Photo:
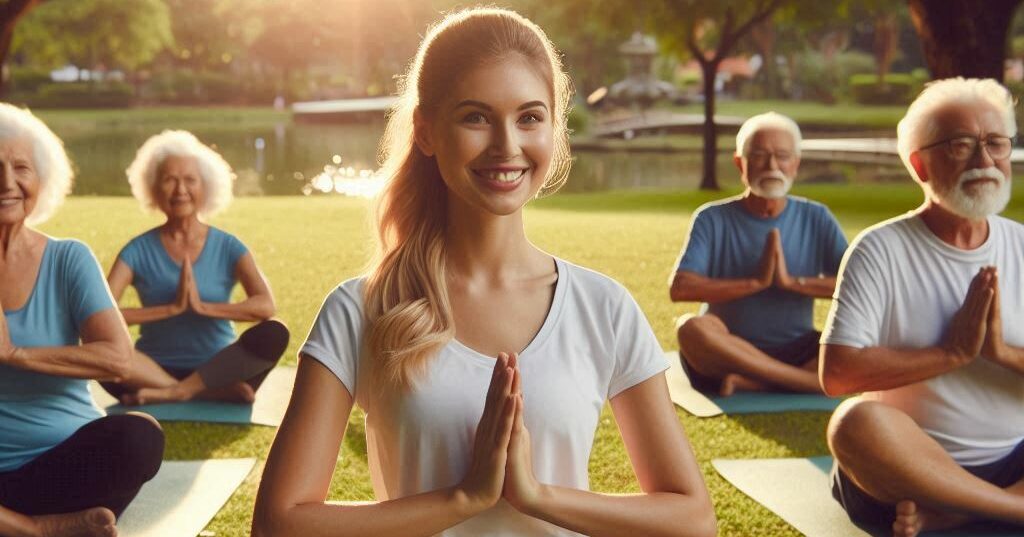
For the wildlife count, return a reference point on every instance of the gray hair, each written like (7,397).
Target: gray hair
(918,125)
(214,171)
(766,121)
(48,157)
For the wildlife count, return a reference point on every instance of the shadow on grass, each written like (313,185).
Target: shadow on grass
(801,434)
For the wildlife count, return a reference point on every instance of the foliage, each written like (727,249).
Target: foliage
(896,88)
(108,94)
(100,34)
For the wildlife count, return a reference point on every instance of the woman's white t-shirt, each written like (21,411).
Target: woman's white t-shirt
(594,343)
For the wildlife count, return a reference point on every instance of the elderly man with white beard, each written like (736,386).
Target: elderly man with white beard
(927,323)
(757,261)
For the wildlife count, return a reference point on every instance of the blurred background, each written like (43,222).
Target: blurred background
(294,92)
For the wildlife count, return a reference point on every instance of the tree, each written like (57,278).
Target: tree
(104,34)
(963,37)
(11,11)
(709,32)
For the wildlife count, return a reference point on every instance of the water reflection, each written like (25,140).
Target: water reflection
(286,158)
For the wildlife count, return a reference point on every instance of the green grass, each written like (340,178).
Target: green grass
(308,245)
(811,114)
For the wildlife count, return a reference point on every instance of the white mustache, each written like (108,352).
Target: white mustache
(774,174)
(981,173)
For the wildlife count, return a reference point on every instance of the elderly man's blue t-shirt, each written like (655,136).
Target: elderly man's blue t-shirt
(726,241)
(184,341)
(39,411)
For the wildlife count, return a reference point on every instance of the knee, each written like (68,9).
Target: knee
(695,329)
(853,425)
(138,444)
(268,339)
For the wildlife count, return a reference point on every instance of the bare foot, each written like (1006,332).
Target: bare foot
(239,392)
(149,396)
(95,522)
(911,520)
(734,382)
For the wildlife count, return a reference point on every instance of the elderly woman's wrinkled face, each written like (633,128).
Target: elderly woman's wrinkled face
(179,189)
(19,181)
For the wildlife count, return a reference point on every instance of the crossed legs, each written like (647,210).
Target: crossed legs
(710,349)
(233,374)
(886,455)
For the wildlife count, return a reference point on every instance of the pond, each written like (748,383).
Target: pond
(283,157)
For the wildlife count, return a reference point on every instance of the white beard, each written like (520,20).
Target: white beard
(982,201)
(771,185)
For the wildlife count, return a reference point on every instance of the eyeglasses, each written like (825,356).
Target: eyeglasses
(761,156)
(962,148)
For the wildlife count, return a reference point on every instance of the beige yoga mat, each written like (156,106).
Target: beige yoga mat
(683,394)
(702,406)
(269,408)
(183,497)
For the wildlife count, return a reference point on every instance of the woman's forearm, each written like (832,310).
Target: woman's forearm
(254,308)
(148,314)
(421,515)
(100,360)
(605,515)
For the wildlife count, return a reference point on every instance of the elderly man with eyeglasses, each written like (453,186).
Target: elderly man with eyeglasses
(927,322)
(757,261)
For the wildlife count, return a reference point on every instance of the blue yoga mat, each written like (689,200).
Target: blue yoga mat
(700,405)
(271,403)
(799,491)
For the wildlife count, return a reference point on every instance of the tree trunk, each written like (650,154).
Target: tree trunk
(963,37)
(709,181)
(10,14)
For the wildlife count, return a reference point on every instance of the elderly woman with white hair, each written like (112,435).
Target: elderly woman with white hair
(184,272)
(65,468)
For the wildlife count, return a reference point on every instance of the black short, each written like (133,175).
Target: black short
(103,464)
(866,510)
(796,353)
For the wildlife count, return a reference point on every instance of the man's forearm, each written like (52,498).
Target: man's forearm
(694,288)
(815,287)
(847,370)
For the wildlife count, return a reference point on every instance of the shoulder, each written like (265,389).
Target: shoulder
(591,286)
(219,235)
(717,208)
(886,235)
(347,295)
(70,251)
(812,208)
(145,240)
(1013,229)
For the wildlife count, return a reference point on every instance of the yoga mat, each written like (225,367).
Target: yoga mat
(183,497)
(702,406)
(800,492)
(271,403)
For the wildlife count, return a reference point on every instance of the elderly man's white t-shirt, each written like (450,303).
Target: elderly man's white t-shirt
(899,287)
(594,343)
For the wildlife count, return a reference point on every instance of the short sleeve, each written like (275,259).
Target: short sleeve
(638,355)
(855,319)
(696,254)
(85,289)
(335,338)
(234,249)
(835,243)
(131,255)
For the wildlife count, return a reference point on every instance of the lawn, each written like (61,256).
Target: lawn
(308,245)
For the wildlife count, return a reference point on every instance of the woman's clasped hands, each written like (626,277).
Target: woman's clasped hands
(502,466)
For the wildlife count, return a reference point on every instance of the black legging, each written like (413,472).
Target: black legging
(103,464)
(250,359)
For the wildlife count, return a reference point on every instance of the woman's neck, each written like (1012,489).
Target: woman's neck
(186,228)
(480,244)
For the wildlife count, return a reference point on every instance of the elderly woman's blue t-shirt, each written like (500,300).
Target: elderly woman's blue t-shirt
(184,341)
(39,411)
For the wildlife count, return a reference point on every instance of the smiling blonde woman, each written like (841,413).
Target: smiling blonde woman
(482,362)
